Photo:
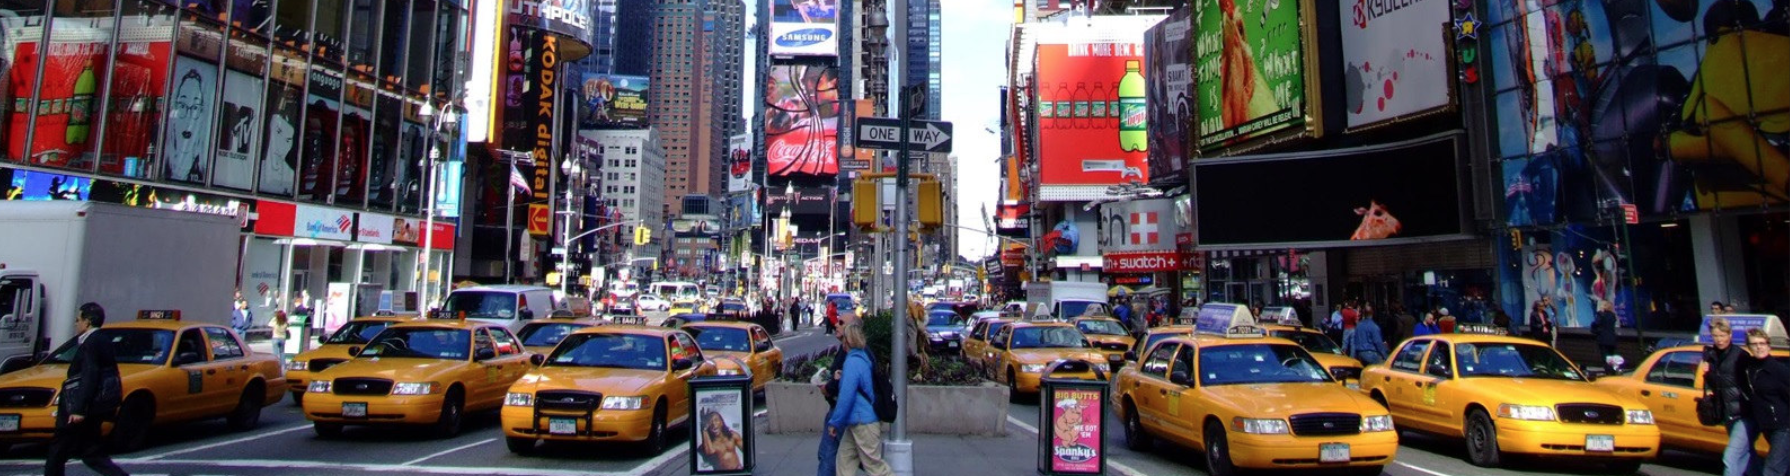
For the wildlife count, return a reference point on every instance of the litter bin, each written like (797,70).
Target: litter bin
(1071,423)
(721,437)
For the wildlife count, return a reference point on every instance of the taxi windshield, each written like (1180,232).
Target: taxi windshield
(1100,326)
(130,346)
(1512,361)
(1311,341)
(1258,363)
(721,338)
(546,334)
(619,351)
(1046,337)
(420,343)
(481,305)
(942,319)
(357,332)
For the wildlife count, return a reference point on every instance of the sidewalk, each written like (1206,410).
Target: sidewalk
(796,454)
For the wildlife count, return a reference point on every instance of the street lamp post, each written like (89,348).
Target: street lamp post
(512,157)
(444,117)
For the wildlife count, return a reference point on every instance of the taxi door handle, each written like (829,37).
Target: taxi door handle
(1669,394)
(211,371)
(1646,393)
(1162,391)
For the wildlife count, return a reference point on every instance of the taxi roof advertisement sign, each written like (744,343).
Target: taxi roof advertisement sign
(1249,68)
(804,28)
(1395,59)
(1218,318)
(1091,97)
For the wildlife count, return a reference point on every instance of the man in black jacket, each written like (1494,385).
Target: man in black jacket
(90,396)
(1723,383)
(1767,383)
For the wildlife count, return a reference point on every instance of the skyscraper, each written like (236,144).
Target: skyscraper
(634,39)
(679,105)
(923,47)
(727,42)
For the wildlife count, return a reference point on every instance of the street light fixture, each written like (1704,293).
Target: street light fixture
(573,171)
(429,164)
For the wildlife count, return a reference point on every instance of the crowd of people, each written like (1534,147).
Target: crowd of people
(1751,392)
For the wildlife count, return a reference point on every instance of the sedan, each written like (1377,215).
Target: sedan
(648,302)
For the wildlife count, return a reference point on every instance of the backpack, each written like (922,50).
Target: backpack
(884,400)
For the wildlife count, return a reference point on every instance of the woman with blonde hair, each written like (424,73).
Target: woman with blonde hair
(854,419)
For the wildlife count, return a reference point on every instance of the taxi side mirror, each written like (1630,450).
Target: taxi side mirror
(322,339)
(184,358)
(354,351)
(680,365)
(1087,343)
(537,359)
(763,347)
(1180,377)
(1131,356)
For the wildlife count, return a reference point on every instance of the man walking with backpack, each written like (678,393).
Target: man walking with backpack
(90,396)
(855,420)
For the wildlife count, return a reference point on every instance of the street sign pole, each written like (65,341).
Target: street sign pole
(900,452)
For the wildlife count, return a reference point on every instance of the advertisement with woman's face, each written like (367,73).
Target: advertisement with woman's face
(187,157)
(720,443)
(279,158)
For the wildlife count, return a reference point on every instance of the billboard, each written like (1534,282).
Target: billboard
(1340,198)
(613,100)
(1168,55)
(1395,59)
(239,134)
(1249,65)
(1091,115)
(804,27)
(570,18)
(801,116)
(739,163)
(1139,225)
(1670,106)
(187,157)
(807,200)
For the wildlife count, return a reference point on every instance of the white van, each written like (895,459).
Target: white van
(508,305)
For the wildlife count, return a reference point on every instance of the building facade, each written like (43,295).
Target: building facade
(681,105)
(634,179)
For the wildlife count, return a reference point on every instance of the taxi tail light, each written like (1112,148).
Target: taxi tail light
(1526,412)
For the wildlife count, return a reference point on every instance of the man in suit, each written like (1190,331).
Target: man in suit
(90,396)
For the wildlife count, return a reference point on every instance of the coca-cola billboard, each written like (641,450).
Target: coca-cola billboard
(802,121)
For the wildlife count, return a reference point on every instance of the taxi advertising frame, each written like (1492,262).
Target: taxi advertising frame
(1066,402)
(730,398)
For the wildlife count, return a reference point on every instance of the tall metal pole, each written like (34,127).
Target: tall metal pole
(509,234)
(900,454)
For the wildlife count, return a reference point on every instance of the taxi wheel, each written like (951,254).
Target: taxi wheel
(132,430)
(1482,440)
(1136,438)
(521,446)
(655,437)
(1218,452)
(448,425)
(247,413)
(327,430)
(1012,388)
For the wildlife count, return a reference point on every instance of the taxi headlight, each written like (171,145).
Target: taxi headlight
(1640,417)
(297,365)
(319,386)
(515,399)
(622,403)
(412,388)
(1031,368)
(1259,426)
(1376,423)
(1526,412)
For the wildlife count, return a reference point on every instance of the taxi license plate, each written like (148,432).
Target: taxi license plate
(1600,443)
(1115,357)
(354,410)
(562,426)
(953,344)
(9,423)
(1333,453)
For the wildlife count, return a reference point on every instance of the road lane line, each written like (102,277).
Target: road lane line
(1115,465)
(215,445)
(321,466)
(1422,469)
(444,452)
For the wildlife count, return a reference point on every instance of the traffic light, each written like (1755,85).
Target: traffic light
(931,212)
(865,205)
(642,236)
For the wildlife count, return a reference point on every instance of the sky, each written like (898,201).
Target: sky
(975,37)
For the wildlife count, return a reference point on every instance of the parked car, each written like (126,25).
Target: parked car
(648,302)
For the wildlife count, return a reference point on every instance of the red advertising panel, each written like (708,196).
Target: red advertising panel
(1091,116)
(1143,262)
(1075,442)
(802,121)
(65,111)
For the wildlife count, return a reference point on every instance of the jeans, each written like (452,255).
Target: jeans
(829,453)
(1777,462)
(279,350)
(1738,458)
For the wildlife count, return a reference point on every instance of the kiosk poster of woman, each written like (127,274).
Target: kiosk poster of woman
(187,157)
(719,443)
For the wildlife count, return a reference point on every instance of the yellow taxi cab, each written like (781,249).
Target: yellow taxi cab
(1670,382)
(1249,401)
(725,341)
(1020,352)
(975,342)
(1342,367)
(1154,335)
(1108,335)
(425,372)
(1510,396)
(684,306)
(169,371)
(618,383)
(540,336)
(332,349)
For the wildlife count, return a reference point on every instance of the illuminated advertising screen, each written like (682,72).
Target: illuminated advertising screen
(804,27)
(1091,115)
(739,163)
(802,121)
(612,100)
(1395,58)
(1168,53)
(1249,68)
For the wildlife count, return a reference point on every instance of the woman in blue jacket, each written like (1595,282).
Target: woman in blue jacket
(854,419)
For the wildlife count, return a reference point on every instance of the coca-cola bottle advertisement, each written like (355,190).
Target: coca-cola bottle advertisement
(802,120)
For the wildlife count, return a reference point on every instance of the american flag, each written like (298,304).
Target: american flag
(518,181)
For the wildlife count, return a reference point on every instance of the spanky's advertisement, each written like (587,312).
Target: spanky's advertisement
(1075,437)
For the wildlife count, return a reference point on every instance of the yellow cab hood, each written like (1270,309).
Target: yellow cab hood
(1331,361)
(51,375)
(1279,400)
(326,351)
(399,369)
(1548,392)
(719,357)
(1045,356)
(1098,339)
(608,381)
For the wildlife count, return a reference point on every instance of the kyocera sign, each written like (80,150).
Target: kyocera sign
(804,37)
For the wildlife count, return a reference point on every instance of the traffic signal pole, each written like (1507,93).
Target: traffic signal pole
(899,451)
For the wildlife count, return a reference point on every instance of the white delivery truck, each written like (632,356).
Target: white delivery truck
(56,255)
(1065,299)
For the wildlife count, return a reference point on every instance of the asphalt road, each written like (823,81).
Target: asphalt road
(284,444)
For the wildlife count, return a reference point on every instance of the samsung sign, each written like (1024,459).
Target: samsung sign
(804,39)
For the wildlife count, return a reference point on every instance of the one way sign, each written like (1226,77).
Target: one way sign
(884,133)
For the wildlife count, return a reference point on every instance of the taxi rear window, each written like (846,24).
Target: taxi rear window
(721,338)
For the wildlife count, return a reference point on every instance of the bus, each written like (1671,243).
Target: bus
(676,290)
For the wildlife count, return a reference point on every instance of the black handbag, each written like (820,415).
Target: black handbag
(1709,411)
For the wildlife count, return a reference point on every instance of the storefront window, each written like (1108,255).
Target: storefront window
(410,181)
(241,113)
(317,176)
(382,166)
(64,132)
(391,41)
(279,147)
(137,88)
(421,44)
(251,16)
(292,23)
(187,155)
(330,25)
(351,160)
